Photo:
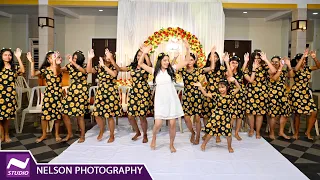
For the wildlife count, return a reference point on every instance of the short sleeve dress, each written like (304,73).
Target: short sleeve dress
(300,95)
(107,101)
(140,99)
(8,101)
(192,96)
(257,93)
(51,105)
(76,101)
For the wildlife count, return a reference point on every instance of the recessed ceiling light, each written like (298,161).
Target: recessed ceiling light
(314,13)
(100,10)
(245,12)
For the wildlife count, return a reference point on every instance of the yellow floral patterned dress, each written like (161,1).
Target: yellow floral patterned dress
(302,102)
(213,79)
(76,102)
(140,100)
(257,93)
(192,96)
(238,108)
(278,97)
(8,102)
(219,123)
(51,105)
(107,101)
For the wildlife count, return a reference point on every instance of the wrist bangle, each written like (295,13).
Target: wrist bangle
(279,70)
(254,71)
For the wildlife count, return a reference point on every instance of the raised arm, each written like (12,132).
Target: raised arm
(148,59)
(89,65)
(301,61)
(213,62)
(272,70)
(32,71)
(250,79)
(145,50)
(198,84)
(185,62)
(81,69)
(226,60)
(113,73)
(278,73)
(56,68)
(17,53)
(246,60)
(313,55)
(290,69)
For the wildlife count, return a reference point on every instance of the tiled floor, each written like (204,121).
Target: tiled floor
(304,154)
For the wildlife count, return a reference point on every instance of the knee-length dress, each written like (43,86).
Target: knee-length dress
(51,105)
(219,123)
(140,99)
(257,93)
(76,102)
(238,105)
(192,96)
(8,101)
(213,79)
(107,101)
(166,102)
(278,97)
(301,99)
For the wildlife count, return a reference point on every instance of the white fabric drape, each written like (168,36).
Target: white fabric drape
(139,19)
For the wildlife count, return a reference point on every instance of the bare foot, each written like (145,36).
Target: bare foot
(251,132)
(153,144)
(172,149)
(203,147)
(67,138)
(258,136)
(145,139)
(284,136)
(204,136)
(192,137)
(41,139)
(99,138)
(135,137)
(238,137)
(111,139)
(230,150)
(81,140)
(58,138)
(309,136)
(271,136)
(295,136)
(218,139)
(196,142)
(7,139)
(2,138)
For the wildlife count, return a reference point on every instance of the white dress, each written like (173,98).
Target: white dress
(166,102)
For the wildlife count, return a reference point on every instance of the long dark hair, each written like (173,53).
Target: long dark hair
(46,62)
(134,63)
(80,57)
(157,68)
(11,61)
(251,60)
(218,63)
(236,58)
(296,59)
(195,65)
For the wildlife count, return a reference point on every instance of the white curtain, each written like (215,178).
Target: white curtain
(138,19)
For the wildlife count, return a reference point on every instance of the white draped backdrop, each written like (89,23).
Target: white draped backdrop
(138,19)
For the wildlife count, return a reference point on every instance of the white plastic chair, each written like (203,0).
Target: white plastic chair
(38,90)
(23,85)
(19,103)
(94,90)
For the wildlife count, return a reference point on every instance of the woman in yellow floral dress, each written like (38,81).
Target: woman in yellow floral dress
(301,97)
(192,96)
(76,101)
(8,102)
(257,97)
(140,101)
(220,120)
(107,102)
(279,106)
(51,105)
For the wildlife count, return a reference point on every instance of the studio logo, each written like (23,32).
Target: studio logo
(18,165)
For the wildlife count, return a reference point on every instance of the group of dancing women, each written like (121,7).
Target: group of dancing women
(234,92)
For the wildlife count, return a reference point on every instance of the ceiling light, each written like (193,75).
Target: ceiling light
(245,12)
(315,13)
(100,10)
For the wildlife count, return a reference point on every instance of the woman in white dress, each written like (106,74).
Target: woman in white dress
(167,105)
